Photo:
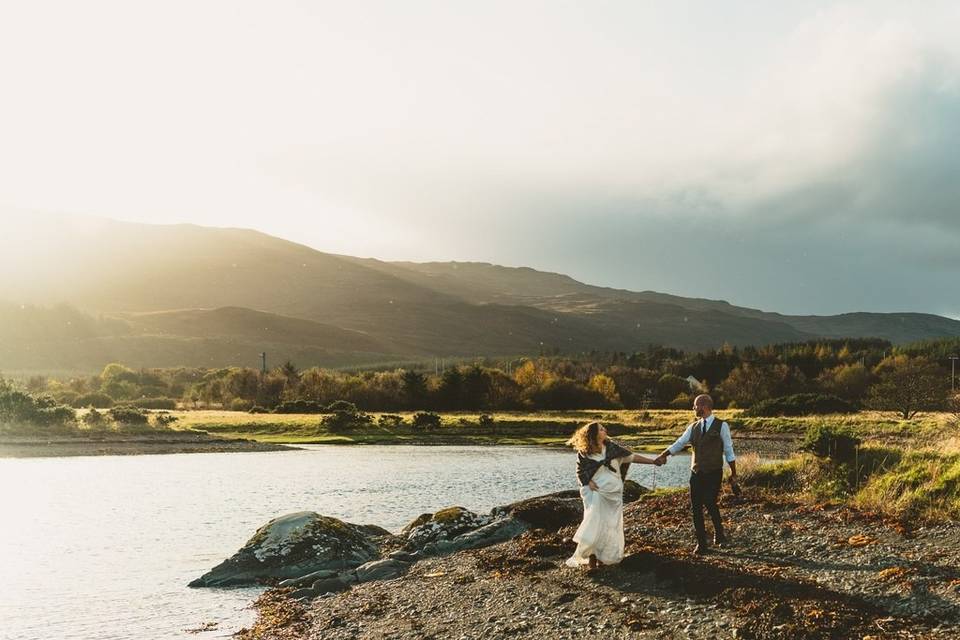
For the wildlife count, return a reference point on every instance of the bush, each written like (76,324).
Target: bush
(67,397)
(258,409)
(800,404)
(342,405)
(340,421)
(94,400)
(240,404)
(300,406)
(94,419)
(682,401)
(389,421)
(487,422)
(155,403)
(164,420)
(17,407)
(426,421)
(128,416)
(830,442)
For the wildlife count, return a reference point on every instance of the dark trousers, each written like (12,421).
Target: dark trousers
(704,490)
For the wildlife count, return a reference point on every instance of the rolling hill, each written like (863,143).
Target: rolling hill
(81,292)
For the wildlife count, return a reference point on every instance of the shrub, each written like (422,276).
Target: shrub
(129,416)
(240,404)
(800,404)
(94,419)
(300,406)
(340,421)
(390,421)
(341,405)
(682,401)
(17,407)
(487,422)
(426,421)
(258,409)
(155,403)
(833,442)
(67,397)
(164,419)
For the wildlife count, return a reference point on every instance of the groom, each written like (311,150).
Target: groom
(711,442)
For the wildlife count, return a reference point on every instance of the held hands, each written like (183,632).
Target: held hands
(660,460)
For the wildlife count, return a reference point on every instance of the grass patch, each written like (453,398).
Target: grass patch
(918,484)
(924,485)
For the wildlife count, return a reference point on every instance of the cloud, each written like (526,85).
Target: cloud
(778,156)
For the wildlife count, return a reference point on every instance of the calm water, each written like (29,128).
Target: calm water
(103,547)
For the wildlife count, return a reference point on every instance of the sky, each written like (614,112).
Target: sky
(797,156)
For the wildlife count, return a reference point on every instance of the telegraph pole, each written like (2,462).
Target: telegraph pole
(263,362)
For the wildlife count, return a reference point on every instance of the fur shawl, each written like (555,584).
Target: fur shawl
(586,466)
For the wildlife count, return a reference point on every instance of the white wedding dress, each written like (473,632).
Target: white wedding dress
(601,532)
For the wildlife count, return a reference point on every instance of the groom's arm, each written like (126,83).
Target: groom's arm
(728,454)
(679,444)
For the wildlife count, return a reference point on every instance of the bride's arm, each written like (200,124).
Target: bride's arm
(639,459)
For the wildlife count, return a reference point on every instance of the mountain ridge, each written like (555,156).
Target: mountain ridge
(164,284)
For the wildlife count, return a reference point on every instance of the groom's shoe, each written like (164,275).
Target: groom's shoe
(720,541)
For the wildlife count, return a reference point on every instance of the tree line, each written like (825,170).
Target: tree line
(864,373)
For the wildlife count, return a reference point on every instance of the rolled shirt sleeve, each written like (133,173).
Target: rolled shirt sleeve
(682,441)
(727,442)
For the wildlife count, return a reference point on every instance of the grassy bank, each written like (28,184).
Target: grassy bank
(649,430)
(913,483)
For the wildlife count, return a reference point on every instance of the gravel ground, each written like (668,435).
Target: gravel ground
(792,572)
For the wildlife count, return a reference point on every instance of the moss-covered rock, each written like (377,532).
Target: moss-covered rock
(295,545)
(444,525)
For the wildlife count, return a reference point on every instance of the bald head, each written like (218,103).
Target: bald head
(703,405)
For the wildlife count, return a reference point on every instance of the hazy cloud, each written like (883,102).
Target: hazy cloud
(798,157)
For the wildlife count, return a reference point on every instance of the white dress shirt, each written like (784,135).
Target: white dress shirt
(684,439)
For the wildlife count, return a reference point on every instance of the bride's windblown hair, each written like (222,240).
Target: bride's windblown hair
(586,439)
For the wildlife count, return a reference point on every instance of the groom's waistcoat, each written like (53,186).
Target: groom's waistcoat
(707,448)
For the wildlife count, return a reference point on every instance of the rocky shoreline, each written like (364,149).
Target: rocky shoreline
(128,444)
(792,572)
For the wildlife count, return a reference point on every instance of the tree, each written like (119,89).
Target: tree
(530,375)
(670,386)
(606,387)
(634,386)
(908,386)
(751,383)
(290,372)
(848,381)
(450,392)
(504,391)
(413,389)
(476,388)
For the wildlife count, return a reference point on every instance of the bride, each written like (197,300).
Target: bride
(601,468)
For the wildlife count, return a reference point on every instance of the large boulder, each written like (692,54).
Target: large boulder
(445,524)
(295,545)
(380,570)
(500,530)
(633,491)
(553,511)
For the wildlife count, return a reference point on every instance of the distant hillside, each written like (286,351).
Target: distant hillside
(182,294)
(63,339)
